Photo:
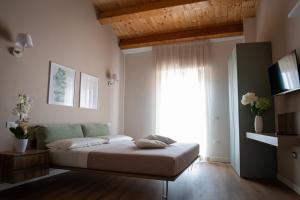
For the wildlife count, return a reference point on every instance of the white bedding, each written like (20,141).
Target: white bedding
(117,138)
(78,157)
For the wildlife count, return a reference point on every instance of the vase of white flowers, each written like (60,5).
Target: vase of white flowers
(21,110)
(258,105)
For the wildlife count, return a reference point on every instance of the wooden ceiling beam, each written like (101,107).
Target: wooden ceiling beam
(142,10)
(181,36)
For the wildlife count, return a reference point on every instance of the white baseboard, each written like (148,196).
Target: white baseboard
(289,183)
(219,159)
(52,172)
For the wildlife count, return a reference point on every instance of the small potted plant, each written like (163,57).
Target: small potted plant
(21,110)
(258,105)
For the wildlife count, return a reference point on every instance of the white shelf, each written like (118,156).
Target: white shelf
(295,11)
(265,138)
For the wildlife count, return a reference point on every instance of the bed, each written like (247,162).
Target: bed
(121,157)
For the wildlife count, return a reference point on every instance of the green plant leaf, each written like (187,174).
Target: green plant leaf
(18,132)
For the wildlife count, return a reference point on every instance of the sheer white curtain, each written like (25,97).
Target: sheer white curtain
(181,93)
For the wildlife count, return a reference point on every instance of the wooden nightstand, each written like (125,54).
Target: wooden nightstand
(15,167)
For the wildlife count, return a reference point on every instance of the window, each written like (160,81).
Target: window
(181,94)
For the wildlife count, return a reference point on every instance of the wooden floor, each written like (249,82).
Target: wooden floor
(207,181)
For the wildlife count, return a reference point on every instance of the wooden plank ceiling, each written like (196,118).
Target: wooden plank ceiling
(140,23)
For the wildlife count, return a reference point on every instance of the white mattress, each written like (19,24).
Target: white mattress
(78,157)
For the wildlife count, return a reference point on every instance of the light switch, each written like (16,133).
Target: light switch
(11,125)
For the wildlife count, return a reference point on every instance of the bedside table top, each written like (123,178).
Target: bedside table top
(28,152)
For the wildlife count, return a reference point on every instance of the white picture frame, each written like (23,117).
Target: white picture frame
(61,85)
(89,91)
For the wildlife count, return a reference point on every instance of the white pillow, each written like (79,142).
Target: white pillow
(150,144)
(161,138)
(117,138)
(74,143)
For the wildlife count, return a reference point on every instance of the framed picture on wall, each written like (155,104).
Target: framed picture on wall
(61,85)
(89,86)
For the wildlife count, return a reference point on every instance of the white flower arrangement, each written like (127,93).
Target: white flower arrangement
(22,110)
(258,105)
(23,107)
(249,98)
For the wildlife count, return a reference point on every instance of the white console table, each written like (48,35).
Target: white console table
(272,139)
(265,138)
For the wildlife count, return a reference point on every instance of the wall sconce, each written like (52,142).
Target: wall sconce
(23,40)
(112,79)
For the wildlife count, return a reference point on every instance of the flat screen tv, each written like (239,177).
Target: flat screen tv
(284,75)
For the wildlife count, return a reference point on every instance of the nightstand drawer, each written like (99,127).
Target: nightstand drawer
(22,162)
(15,167)
(26,174)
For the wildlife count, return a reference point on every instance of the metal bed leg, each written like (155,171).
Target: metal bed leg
(165,190)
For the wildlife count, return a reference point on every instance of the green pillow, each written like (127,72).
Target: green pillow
(94,130)
(50,133)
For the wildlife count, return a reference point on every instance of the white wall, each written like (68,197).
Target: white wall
(274,25)
(139,119)
(67,32)
(250,29)
(139,107)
